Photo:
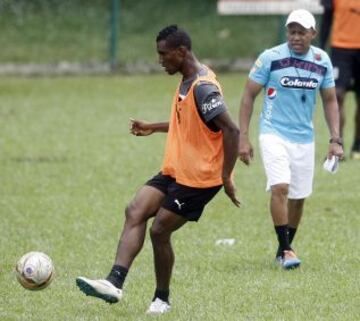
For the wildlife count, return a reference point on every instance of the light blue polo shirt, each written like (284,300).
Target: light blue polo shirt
(291,83)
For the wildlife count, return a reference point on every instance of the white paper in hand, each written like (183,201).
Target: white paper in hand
(331,165)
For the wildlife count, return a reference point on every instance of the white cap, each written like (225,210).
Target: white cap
(302,17)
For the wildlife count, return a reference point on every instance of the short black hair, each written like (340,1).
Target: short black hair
(175,37)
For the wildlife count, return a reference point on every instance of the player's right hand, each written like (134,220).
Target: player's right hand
(246,152)
(140,128)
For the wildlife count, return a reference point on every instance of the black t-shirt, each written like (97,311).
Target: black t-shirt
(208,99)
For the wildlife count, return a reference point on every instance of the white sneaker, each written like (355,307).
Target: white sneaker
(290,260)
(102,289)
(158,307)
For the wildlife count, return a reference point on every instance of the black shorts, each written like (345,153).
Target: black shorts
(346,64)
(186,201)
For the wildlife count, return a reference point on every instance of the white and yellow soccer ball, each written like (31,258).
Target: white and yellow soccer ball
(35,271)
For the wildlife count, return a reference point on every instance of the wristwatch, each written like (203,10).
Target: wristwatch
(337,140)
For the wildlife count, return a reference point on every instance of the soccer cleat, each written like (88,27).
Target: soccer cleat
(102,289)
(279,260)
(355,154)
(158,306)
(290,260)
(355,150)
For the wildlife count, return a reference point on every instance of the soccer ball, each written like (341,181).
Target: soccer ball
(34,271)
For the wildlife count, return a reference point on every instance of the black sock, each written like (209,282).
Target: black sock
(356,145)
(117,276)
(282,233)
(162,295)
(292,232)
(279,252)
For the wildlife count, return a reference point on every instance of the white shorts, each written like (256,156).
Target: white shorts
(288,163)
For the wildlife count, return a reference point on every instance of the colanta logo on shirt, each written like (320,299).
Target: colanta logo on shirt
(299,82)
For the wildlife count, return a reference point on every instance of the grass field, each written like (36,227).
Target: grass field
(68,167)
(50,31)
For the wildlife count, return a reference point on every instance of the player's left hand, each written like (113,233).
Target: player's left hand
(230,191)
(246,151)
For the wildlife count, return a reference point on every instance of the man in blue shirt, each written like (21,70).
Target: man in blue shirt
(291,75)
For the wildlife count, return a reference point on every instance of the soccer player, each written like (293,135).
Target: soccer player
(200,154)
(344,16)
(291,74)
